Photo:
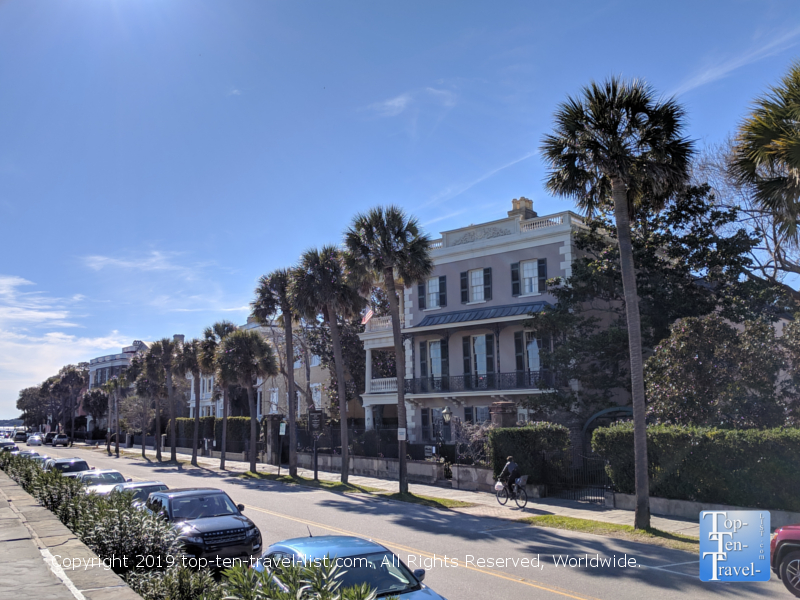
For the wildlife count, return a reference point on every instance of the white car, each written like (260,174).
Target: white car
(101,481)
(35,440)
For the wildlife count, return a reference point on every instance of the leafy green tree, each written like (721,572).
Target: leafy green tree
(244,356)
(275,299)
(323,287)
(212,338)
(616,145)
(95,403)
(708,373)
(33,405)
(767,154)
(167,352)
(187,361)
(384,245)
(71,381)
(113,389)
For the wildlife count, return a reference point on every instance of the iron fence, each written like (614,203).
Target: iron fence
(487,381)
(575,477)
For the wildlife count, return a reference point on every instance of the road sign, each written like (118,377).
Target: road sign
(283,429)
(401,434)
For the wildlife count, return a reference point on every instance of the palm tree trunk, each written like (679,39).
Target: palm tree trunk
(642,515)
(158,428)
(116,417)
(333,324)
(145,405)
(196,383)
(224,426)
(172,424)
(72,402)
(251,401)
(292,396)
(108,427)
(400,363)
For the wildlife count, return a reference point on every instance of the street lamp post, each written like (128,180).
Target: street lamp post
(447,415)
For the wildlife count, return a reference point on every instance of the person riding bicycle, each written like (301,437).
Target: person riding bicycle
(512,469)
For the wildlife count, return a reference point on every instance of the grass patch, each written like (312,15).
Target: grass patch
(626,532)
(333,486)
(428,501)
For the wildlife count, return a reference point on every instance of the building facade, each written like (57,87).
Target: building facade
(465,346)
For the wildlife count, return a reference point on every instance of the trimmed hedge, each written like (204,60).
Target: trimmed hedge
(753,468)
(527,445)
(185,428)
(238,430)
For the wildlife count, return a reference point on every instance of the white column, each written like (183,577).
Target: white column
(368,375)
(368,422)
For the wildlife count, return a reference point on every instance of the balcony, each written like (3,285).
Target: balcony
(380,324)
(517,380)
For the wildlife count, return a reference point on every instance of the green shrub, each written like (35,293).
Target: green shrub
(238,430)
(176,583)
(526,445)
(754,468)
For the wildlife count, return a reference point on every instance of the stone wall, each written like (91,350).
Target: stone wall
(383,468)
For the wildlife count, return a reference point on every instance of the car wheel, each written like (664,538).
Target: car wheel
(790,572)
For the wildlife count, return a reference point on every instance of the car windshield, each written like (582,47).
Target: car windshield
(200,507)
(382,571)
(72,467)
(103,479)
(141,493)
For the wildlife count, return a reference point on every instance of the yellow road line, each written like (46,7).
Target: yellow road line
(529,583)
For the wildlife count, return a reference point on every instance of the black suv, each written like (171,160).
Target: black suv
(69,467)
(20,436)
(211,526)
(48,438)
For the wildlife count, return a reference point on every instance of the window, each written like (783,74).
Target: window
(477,414)
(435,359)
(476,285)
(432,293)
(202,385)
(258,405)
(479,354)
(532,346)
(479,367)
(315,360)
(316,394)
(530,275)
(273,400)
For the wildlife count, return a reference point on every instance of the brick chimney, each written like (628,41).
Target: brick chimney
(522,207)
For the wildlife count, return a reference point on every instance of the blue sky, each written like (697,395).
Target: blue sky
(157,157)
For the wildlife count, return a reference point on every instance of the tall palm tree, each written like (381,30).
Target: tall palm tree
(275,296)
(766,153)
(155,372)
(188,361)
(212,338)
(617,145)
(167,351)
(385,245)
(323,287)
(244,356)
(112,388)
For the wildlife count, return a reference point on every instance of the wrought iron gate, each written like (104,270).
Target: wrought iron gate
(575,477)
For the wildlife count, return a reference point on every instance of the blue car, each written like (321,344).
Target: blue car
(362,561)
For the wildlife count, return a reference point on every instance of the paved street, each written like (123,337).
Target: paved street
(419,535)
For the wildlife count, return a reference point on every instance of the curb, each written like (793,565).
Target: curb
(59,547)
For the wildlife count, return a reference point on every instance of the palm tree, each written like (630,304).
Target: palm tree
(766,155)
(112,388)
(274,295)
(323,287)
(188,361)
(617,145)
(212,338)
(155,370)
(244,356)
(168,350)
(384,245)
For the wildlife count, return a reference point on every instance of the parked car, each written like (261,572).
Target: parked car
(101,481)
(61,439)
(784,555)
(26,453)
(141,489)
(211,526)
(375,565)
(9,448)
(40,460)
(35,440)
(69,467)
(20,436)
(48,438)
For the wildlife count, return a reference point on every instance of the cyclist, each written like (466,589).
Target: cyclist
(512,469)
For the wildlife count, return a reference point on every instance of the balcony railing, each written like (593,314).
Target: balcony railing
(381,324)
(382,386)
(518,380)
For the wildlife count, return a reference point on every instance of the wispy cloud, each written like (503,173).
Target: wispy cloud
(234,92)
(33,345)
(723,68)
(393,107)
(153,261)
(455,190)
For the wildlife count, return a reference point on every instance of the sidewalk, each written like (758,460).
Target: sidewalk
(485,503)
(35,545)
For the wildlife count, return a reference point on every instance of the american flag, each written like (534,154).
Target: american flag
(367,316)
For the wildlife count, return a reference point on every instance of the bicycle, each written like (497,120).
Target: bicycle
(520,496)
